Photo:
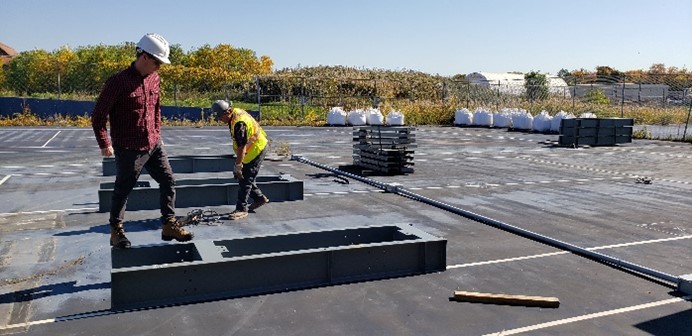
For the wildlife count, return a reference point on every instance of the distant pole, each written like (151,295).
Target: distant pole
(175,93)
(639,94)
(341,94)
(622,102)
(375,100)
(684,133)
(497,102)
(259,91)
(57,68)
(574,95)
(302,98)
(468,94)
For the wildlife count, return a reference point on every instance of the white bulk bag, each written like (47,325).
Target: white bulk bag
(557,119)
(522,120)
(357,117)
(541,122)
(374,117)
(502,119)
(482,117)
(395,118)
(336,116)
(463,117)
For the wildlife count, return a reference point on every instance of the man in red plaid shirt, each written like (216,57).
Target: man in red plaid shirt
(130,100)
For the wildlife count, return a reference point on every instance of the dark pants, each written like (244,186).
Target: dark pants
(129,164)
(247,187)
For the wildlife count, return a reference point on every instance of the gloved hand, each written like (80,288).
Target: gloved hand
(238,171)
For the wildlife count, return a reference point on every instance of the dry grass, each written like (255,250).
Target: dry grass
(416,112)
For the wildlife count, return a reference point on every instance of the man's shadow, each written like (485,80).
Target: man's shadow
(130,226)
(49,290)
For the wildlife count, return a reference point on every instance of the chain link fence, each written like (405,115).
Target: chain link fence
(659,103)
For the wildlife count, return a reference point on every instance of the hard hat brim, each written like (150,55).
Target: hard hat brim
(164,60)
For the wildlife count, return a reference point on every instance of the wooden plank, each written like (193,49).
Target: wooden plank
(507,299)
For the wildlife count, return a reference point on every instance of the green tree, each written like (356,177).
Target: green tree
(224,65)
(2,78)
(32,72)
(536,85)
(606,74)
(596,97)
(563,73)
(95,64)
(657,69)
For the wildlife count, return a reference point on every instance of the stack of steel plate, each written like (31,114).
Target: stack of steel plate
(385,149)
(595,132)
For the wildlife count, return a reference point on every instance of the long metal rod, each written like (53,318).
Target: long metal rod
(500,225)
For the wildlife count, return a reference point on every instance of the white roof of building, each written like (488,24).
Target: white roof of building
(512,82)
(496,76)
(510,78)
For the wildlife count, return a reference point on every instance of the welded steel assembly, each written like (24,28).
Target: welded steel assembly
(204,270)
(185,164)
(203,192)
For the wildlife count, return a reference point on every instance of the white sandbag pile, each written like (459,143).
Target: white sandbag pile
(361,117)
(541,122)
(336,116)
(463,117)
(395,118)
(557,119)
(587,115)
(482,117)
(514,118)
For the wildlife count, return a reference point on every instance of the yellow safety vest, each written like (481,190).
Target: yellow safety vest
(257,139)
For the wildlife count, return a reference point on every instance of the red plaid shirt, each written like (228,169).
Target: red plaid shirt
(131,103)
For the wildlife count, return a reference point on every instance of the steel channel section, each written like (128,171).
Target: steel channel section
(171,274)
(185,164)
(203,192)
(683,282)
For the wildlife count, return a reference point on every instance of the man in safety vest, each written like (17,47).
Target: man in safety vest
(249,145)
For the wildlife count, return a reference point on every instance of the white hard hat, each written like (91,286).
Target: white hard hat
(220,107)
(156,46)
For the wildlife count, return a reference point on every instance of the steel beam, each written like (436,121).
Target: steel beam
(186,164)
(172,274)
(684,282)
(203,192)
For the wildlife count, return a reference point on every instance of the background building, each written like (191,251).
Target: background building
(6,53)
(513,83)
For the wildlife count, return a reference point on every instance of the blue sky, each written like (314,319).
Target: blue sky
(443,37)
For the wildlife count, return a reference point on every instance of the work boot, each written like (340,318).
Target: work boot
(118,239)
(173,230)
(258,203)
(237,214)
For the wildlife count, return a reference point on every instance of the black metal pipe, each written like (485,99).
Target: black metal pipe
(619,263)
